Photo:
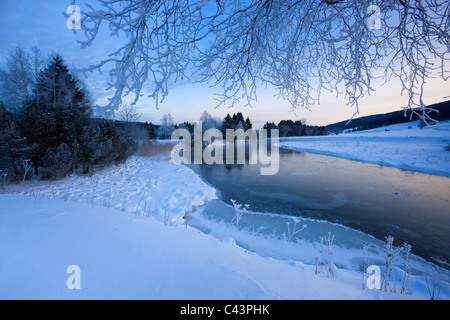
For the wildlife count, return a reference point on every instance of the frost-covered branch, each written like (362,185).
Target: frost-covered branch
(239,210)
(299,47)
(291,234)
(27,164)
(327,255)
(436,280)
(407,270)
(388,277)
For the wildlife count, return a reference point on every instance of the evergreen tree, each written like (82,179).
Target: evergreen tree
(286,128)
(269,126)
(239,119)
(54,129)
(13,147)
(150,128)
(57,113)
(248,124)
(103,143)
(188,126)
(228,123)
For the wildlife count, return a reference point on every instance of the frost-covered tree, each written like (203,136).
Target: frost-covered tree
(18,75)
(167,126)
(299,47)
(209,122)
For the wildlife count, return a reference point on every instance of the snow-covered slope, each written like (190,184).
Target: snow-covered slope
(123,227)
(403,146)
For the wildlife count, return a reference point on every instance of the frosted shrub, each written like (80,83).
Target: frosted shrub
(291,234)
(327,254)
(239,210)
(255,236)
(58,163)
(27,164)
(406,270)
(388,276)
(187,209)
(436,280)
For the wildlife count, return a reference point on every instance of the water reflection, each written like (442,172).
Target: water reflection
(377,200)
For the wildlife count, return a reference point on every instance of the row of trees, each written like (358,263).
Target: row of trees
(290,128)
(236,122)
(49,123)
(168,124)
(287,128)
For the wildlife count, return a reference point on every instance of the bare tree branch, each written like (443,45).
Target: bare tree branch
(299,47)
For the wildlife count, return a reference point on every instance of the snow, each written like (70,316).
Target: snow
(127,256)
(403,146)
(125,228)
(141,186)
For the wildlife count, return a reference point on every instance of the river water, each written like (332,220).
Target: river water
(376,200)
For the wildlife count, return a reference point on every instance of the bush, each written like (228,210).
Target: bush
(58,163)
(103,143)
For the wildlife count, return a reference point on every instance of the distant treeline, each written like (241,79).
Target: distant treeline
(287,128)
(290,128)
(168,125)
(381,120)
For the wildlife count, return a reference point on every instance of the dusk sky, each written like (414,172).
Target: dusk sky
(42,23)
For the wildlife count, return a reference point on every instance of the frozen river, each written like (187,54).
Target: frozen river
(373,199)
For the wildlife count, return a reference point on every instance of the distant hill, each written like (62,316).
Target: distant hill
(381,120)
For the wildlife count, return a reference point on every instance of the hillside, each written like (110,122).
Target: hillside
(381,120)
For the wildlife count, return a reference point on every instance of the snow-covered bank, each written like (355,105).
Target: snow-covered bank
(145,186)
(403,146)
(126,256)
(124,228)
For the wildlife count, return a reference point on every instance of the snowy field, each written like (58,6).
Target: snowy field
(403,146)
(125,228)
